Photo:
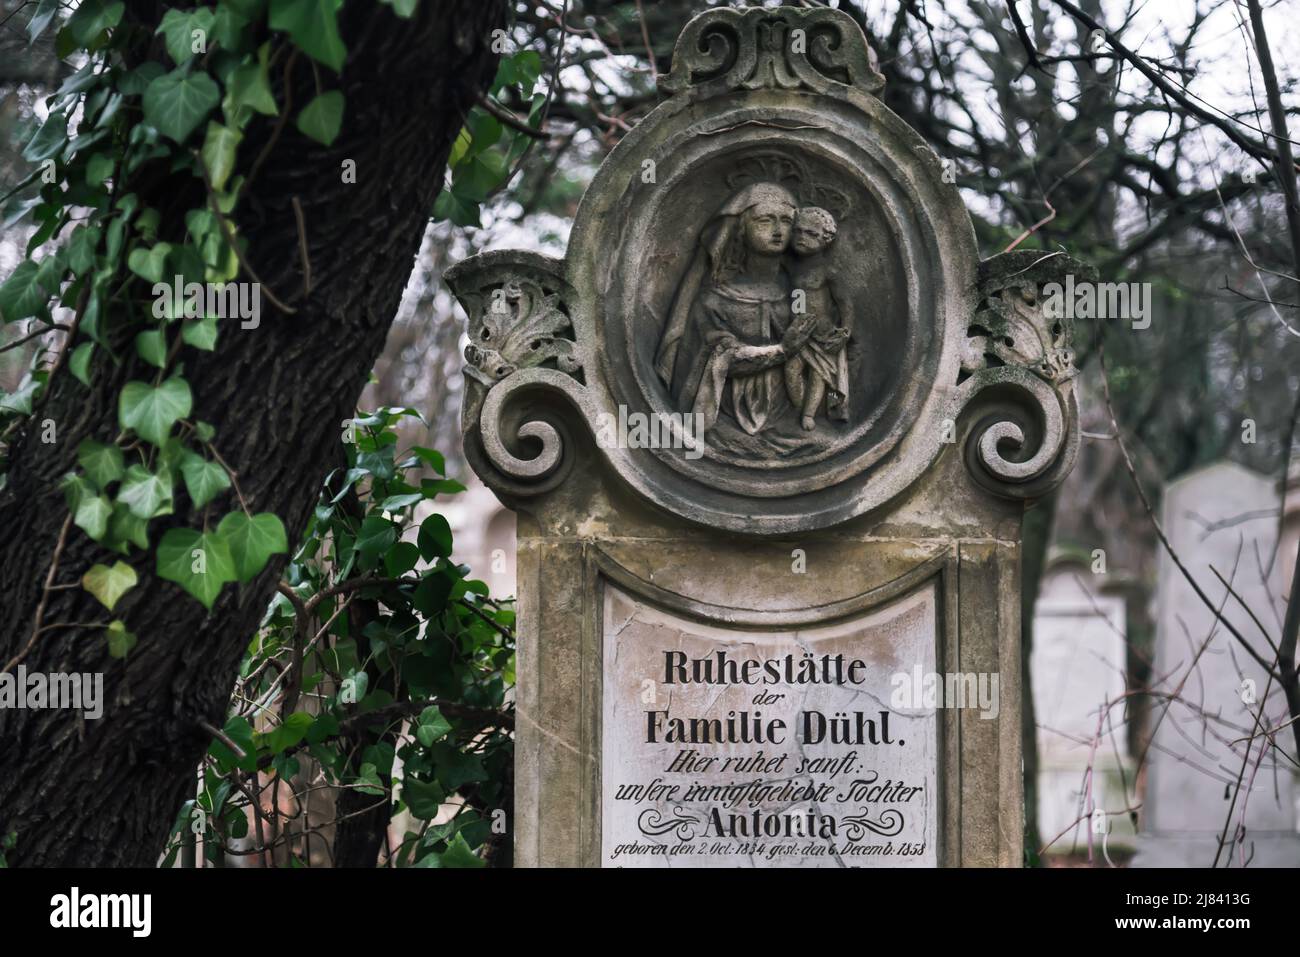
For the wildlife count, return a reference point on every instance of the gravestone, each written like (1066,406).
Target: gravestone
(1222,517)
(1077,670)
(769,428)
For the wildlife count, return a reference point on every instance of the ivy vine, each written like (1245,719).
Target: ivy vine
(96,244)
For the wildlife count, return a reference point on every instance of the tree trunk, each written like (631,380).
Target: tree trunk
(105,792)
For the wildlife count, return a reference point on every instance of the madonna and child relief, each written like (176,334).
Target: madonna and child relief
(756,339)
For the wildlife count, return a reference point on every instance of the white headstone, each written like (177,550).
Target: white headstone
(1078,671)
(1225,518)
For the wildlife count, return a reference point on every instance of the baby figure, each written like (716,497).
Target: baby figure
(821,354)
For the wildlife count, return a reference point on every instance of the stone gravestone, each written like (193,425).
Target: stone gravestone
(1223,517)
(769,428)
(1077,669)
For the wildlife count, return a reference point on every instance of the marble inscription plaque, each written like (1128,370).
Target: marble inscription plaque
(761,748)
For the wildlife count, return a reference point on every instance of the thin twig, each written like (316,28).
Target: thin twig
(229,236)
(239,753)
(507,118)
(53,327)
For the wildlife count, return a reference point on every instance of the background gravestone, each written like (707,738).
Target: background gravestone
(724,645)
(1223,517)
(1077,668)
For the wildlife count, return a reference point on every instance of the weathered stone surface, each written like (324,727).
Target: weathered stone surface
(769,393)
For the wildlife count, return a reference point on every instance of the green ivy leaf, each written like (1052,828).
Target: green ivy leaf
(200,562)
(147,495)
(98,168)
(91,515)
(125,528)
(354,687)
(369,774)
(238,730)
(76,488)
(430,596)
(177,28)
(151,412)
(200,333)
(291,731)
(248,9)
(109,584)
(475,179)
(135,82)
(376,536)
(177,103)
(151,346)
(403,8)
(456,768)
(249,86)
(434,538)
(203,479)
(322,118)
(396,503)
(432,487)
(400,559)
(49,139)
(230,29)
(252,540)
(84,242)
(80,362)
(458,854)
(460,210)
(41,19)
(314,27)
(430,457)
(120,641)
(20,401)
(101,463)
(21,295)
(432,727)
(424,798)
(91,19)
(149,262)
(219,148)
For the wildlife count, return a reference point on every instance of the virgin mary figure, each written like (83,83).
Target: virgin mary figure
(722,346)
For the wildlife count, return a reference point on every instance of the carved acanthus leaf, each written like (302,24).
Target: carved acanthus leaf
(518,319)
(1012,327)
(1014,324)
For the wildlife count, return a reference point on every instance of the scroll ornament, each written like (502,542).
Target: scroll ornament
(1018,374)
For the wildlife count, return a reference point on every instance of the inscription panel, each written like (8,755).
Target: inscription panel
(810,747)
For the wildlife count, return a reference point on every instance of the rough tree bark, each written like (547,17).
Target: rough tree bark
(105,792)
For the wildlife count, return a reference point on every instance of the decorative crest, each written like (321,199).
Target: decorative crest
(780,48)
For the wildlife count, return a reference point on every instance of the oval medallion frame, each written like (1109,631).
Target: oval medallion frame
(619,244)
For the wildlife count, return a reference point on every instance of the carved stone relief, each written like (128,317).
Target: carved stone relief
(775,255)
